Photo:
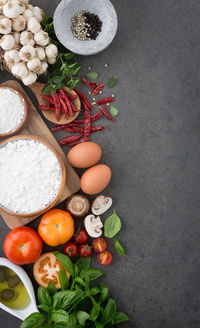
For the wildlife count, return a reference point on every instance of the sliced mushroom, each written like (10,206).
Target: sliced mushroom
(101,204)
(78,206)
(93,226)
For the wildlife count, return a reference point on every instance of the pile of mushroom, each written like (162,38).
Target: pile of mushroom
(27,47)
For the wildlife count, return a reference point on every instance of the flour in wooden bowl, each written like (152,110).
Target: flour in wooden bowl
(12,110)
(30,176)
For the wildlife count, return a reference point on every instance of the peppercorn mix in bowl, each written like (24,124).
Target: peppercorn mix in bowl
(85,27)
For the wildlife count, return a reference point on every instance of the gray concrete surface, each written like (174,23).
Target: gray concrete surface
(154,151)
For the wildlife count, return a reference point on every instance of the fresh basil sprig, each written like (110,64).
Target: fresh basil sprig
(112,225)
(119,248)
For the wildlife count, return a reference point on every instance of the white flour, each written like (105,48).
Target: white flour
(11,110)
(30,176)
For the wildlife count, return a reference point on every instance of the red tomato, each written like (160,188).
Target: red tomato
(71,249)
(23,245)
(85,250)
(105,258)
(81,237)
(99,245)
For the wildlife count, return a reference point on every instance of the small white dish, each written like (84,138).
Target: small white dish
(32,307)
(63,20)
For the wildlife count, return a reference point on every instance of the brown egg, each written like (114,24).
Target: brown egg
(95,179)
(84,155)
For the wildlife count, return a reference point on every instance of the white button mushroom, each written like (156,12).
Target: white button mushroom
(33,25)
(13,9)
(40,53)
(41,38)
(101,204)
(34,65)
(51,51)
(7,42)
(38,13)
(30,78)
(5,25)
(18,23)
(27,53)
(93,226)
(28,14)
(11,57)
(26,38)
(20,70)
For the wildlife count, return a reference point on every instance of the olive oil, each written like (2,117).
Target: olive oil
(13,293)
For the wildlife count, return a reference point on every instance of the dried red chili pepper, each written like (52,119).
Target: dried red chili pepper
(77,129)
(69,139)
(58,127)
(47,98)
(105,100)
(105,112)
(96,116)
(81,95)
(98,89)
(72,97)
(46,108)
(72,144)
(88,84)
(74,108)
(67,101)
(57,104)
(68,129)
(97,128)
(87,120)
(64,106)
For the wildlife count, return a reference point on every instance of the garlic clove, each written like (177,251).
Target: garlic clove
(51,61)
(19,23)
(11,57)
(40,53)
(33,25)
(41,38)
(20,70)
(51,51)
(38,13)
(43,68)
(7,42)
(13,9)
(27,53)
(26,38)
(34,65)
(30,78)
(5,25)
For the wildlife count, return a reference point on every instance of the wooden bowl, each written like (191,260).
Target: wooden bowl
(62,165)
(26,113)
(50,115)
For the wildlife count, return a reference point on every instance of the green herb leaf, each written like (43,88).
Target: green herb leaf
(94,291)
(68,56)
(112,225)
(92,75)
(120,317)
(98,324)
(76,270)
(51,288)
(80,281)
(104,293)
(72,319)
(44,325)
(33,321)
(109,312)
(95,310)
(46,88)
(92,273)
(63,279)
(111,81)
(113,111)
(44,308)
(60,316)
(57,79)
(82,317)
(83,263)
(66,262)
(44,297)
(63,299)
(119,248)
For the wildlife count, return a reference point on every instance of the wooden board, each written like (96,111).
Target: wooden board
(36,126)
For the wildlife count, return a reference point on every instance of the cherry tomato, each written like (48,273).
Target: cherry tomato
(105,258)
(81,236)
(23,245)
(99,245)
(71,249)
(46,269)
(85,250)
(56,227)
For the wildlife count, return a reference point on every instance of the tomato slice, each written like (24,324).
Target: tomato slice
(105,258)
(99,245)
(46,269)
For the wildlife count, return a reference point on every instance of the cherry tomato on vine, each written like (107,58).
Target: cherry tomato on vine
(85,250)
(105,258)
(81,236)
(99,245)
(71,249)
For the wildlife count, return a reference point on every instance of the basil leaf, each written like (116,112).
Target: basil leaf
(66,262)
(98,324)
(95,310)
(72,319)
(119,248)
(111,81)
(33,321)
(80,281)
(94,291)
(104,293)
(76,270)
(92,273)
(60,316)
(92,75)
(44,297)
(63,279)
(112,225)
(83,263)
(120,317)
(44,308)
(82,317)
(51,288)
(109,312)
(57,79)
(113,111)
(63,299)
(45,325)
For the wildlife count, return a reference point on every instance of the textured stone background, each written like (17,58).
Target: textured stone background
(154,154)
